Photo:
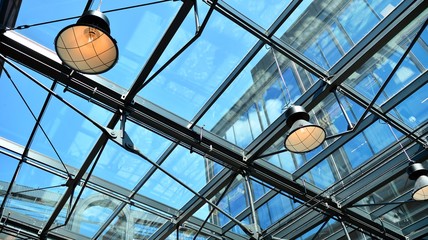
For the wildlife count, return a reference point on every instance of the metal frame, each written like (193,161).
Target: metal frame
(186,133)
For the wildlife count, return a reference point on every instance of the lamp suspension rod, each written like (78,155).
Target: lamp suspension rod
(350,125)
(226,189)
(282,77)
(399,142)
(394,70)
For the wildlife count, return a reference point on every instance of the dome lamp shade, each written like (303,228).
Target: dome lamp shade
(417,172)
(87,46)
(302,136)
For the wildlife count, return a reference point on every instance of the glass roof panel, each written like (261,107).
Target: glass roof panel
(17,121)
(326,30)
(7,170)
(234,202)
(144,223)
(43,11)
(387,193)
(124,168)
(256,98)
(137,32)
(187,83)
(373,74)
(35,198)
(91,212)
(263,13)
(164,189)
(80,132)
(412,111)
(353,154)
(406,214)
(190,168)
(273,210)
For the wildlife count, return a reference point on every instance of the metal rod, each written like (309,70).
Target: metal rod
(199,31)
(251,201)
(350,125)
(321,228)
(25,26)
(394,70)
(380,204)
(345,230)
(240,224)
(36,189)
(226,189)
(53,94)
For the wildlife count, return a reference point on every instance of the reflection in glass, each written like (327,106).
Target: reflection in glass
(406,214)
(91,212)
(35,194)
(256,98)
(412,111)
(188,82)
(272,211)
(263,13)
(387,193)
(326,30)
(368,79)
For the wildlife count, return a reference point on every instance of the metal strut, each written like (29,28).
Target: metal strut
(122,139)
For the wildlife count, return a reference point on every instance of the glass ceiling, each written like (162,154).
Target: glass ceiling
(184,137)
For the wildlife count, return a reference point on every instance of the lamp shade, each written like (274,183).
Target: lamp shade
(303,136)
(417,172)
(87,46)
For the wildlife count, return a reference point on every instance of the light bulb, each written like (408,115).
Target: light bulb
(91,34)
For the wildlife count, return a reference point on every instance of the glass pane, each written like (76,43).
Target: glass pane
(124,168)
(7,169)
(412,111)
(137,32)
(234,202)
(372,75)
(144,223)
(40,11)
(387,193)
(326,30)
(187,83)
(263,13)
(256,98)
(72,136)
(406,214)
(275,209)
(91,212)
(35,194)
(17,122)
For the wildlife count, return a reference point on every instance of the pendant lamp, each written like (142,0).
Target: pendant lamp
(417,172)
(303,136)
(87,46)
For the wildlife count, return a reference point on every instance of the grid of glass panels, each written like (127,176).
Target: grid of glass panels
(125,196)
